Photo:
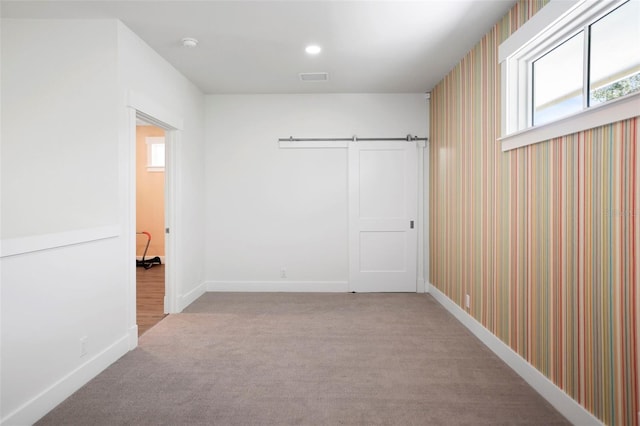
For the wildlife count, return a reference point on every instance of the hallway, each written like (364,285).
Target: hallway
(150,297)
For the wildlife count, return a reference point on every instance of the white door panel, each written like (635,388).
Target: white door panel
(382,251)
(382,216)
(382,183)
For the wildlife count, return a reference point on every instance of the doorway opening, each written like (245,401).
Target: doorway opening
(150,225)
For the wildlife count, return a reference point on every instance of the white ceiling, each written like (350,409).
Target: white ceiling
(258,46)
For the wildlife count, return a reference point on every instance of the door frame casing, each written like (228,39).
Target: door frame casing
(423,217)
(141,106)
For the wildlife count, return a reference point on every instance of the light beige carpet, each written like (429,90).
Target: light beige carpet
(307,359)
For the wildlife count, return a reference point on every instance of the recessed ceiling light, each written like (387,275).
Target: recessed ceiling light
(189,42)
(313,49)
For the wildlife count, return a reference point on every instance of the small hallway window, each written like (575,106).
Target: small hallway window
(155,154)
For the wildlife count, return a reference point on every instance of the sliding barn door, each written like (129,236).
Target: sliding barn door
(382,216)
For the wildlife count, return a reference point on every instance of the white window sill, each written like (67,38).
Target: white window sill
(155,169)
(610,112)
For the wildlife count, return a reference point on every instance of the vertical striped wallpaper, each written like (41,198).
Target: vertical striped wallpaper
(545,239)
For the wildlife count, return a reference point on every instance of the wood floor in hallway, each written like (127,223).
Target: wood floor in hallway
(149,297)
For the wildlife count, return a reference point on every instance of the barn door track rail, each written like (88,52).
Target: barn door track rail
(292,142)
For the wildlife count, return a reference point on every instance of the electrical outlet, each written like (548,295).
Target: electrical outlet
(467,301)
(83,346)
(283,272)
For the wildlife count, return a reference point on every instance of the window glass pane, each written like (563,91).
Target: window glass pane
(557,81)
(157,155)
(615,54)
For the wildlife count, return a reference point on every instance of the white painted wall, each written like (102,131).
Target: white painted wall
(143,72)
(59,180)
(269,208)
(64,95)
(57,126)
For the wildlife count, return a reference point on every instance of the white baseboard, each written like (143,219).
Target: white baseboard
(566,405)
(279,286)
(47,400)
(185,300)
(133,337)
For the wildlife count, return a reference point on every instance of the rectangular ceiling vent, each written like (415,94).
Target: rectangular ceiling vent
(314,76)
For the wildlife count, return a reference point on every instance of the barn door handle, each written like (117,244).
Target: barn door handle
(411,224)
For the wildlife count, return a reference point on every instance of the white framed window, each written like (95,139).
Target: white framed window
(574,65)
(155,154)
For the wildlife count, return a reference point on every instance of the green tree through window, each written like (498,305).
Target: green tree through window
(615,90)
